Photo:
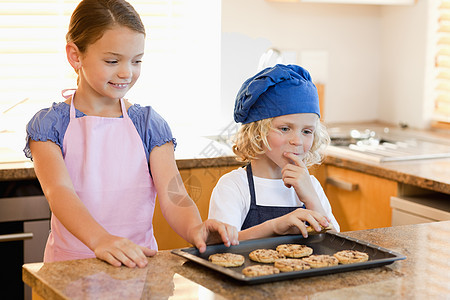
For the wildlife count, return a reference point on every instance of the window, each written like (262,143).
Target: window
(441,114)
(181,66)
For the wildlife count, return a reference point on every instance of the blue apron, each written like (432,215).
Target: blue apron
(259,214)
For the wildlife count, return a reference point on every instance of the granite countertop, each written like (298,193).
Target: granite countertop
(24,170)
(191,152)
(432,174)
(423,275)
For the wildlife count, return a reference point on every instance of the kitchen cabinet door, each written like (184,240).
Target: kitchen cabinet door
(199,183)
(359,201)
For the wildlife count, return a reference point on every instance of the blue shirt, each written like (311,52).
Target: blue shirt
(51,124)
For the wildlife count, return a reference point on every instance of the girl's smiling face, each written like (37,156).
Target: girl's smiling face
(289,134)
(112,64)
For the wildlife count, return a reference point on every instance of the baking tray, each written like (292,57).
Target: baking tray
(324,243)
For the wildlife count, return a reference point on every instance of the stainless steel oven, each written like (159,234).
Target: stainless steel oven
(24,228)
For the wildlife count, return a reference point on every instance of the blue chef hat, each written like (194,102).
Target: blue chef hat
(276,91)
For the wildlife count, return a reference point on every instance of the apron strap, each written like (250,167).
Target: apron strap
(72,108)
(124,109)
(67,93)
(251,185)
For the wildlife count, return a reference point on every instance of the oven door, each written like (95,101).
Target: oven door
(11,252)
(24,228)
(34,248)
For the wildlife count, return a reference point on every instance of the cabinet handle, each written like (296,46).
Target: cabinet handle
(16,237)
(341,184)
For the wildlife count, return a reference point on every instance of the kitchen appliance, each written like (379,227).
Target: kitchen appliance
(24,228)
(324,243)
(420,209)
(385,145)
(270,58)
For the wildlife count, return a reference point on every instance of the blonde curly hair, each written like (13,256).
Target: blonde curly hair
(252,137)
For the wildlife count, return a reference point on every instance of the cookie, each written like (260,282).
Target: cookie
(294,250)
(266,256)
(291,264)
(320,261)
(227,259)
(351,256)
(311,229)
(259,270)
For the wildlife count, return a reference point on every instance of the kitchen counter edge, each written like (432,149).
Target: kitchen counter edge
(405,172)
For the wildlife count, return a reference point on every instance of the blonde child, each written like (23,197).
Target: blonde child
(101,160)
(279,139)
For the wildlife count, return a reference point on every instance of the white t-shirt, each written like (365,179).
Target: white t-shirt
(230,199)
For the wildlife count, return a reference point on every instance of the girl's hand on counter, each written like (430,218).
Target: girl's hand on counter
(294,222)
(118,250)
(213,232)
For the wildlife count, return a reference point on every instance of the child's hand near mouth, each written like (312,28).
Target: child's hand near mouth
(295,171)
(296,175)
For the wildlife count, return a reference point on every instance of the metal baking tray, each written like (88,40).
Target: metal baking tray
(324,243)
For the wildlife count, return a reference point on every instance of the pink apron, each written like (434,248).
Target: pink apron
(106,161)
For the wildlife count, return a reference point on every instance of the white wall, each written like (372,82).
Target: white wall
(405,76)
(375,54)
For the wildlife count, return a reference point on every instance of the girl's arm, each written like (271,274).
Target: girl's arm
(72,213)
(179,209)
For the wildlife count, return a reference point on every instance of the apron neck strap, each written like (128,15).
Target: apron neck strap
(72,108)
(251,184)
(124,109)
(73,111)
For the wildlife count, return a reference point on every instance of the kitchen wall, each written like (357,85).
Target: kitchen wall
(407,59)
(374,56)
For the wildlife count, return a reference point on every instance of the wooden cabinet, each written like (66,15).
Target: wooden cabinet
(359,201)
(199,183)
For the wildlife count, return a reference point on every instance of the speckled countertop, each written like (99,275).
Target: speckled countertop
(425,274)
(432,174)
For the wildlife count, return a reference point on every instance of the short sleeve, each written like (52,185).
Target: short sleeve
(48,124)
(230,199)
(152,128)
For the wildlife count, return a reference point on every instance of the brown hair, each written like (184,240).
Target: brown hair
(252,137)
(91,18)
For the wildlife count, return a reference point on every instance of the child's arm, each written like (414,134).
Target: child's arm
(73,214)
(179,209)
(292,223)
(296,175)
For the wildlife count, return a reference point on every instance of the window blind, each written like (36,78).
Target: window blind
(32,49)
(442,65)
(182,56)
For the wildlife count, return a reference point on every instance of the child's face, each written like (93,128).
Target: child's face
(290,134)
(112,65)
